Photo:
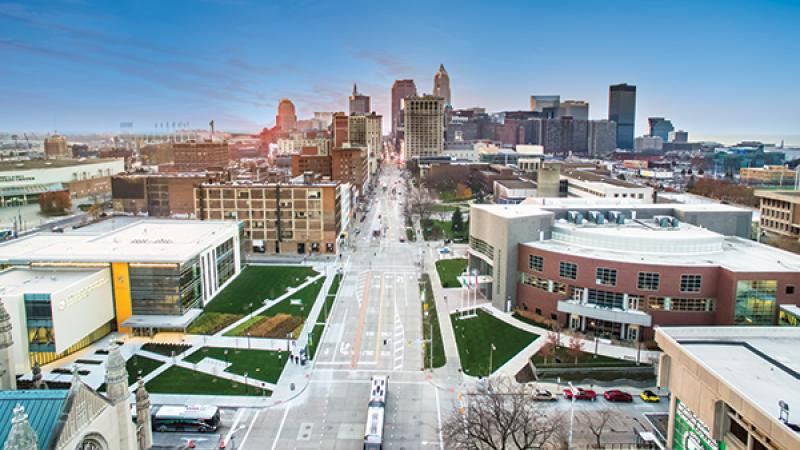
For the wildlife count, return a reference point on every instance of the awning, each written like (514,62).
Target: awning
(163,321)
(30,189)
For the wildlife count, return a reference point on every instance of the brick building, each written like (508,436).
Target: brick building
(200,156)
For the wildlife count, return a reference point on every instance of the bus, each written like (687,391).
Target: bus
(199,418)
(376,409)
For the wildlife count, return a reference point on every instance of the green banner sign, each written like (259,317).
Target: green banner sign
(691,433)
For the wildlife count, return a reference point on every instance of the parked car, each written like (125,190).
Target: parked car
(543,395)
(583,394)
(402,239)
(444,250)
(650,396)
(615,395)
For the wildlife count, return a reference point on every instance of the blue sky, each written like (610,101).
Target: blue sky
(715,68)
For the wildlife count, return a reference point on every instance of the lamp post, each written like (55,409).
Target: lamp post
(250,306)
(572,391)
(491,351)
(225,352)
(288,342)
(245,383)
(248,340)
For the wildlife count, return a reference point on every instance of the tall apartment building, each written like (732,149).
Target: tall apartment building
(622,110)
(289,218)
(349,164)
(341,129)
(577,109)
(660,127)
(200,156)
(359,103)
(565,135)
(424,126)
(780,212)
(286,120)
(441,85)
(602,137)
(55,147)
(400,90)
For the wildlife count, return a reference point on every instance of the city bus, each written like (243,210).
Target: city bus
(199,418)
(376,409)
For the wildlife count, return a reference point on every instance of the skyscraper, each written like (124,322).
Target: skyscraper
(577,109)
(286,120)
(547,105)
(660,127)
(424,126)
(400,90)
(622,110)
(602,137)
(359,103)
(441,85)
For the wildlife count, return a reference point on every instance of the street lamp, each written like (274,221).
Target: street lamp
(491,351)
(248,340)
(574,393)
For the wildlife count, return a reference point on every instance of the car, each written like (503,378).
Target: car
(650,396)
(582,394)
(444,250)
(402,239)
(615,395)
(543,395)
(57,229)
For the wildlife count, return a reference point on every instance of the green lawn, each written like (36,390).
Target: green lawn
(178,380)
(439,207)
(434,230)
(264,365)
(586,359)
(475,337)
(329,299)
(450,196)
(431,318)
(449,269)
(316,335)
(255,284)
(308,295)
(139,363)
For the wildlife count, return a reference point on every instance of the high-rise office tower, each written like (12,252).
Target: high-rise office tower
(622,110)
(400,90)
(286,119)
(359,103)
(577,109)
(602,137)
(547,105)
(424,126)
(441,85)
(660,127)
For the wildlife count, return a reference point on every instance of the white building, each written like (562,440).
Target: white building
(645,143)
(588,184)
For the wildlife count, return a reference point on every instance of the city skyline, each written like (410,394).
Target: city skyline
(88,66)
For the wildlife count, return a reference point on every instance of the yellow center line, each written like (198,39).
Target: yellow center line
(380,319)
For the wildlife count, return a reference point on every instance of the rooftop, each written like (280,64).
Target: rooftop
(594,177)
(512,211)
(43,408)
(761,364)
(8,166)
(17,281)
(687,245)
(141,241)
(789,196)
(517,184)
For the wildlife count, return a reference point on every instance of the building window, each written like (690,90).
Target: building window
(568,270)
(539,311)
(649,281)
(535,262)
(657,303)
(691,283)
(755,302)
(606,277)
(789,290)
(691,304)
(605,299)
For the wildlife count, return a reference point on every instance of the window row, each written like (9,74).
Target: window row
(681,304)
(646,281)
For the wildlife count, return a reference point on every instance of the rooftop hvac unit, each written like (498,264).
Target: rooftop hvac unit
(597,217)
(666,221)
(616,217)
(575,217)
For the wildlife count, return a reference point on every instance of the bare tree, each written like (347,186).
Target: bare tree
(597,422)
(575,347)
(420,202)
(502,417)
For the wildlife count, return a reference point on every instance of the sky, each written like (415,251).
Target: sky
(724,70)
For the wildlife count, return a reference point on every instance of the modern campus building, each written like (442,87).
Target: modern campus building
(620,270)
(590,184)
(21,182)
(733,388)
(65,291)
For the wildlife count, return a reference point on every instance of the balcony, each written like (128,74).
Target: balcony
(630,317)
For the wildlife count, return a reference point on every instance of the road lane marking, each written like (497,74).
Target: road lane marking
(246,435)
(362,317)
(236,420)
(280,427)
(380,319)
(439,417)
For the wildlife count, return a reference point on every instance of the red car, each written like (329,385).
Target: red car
(583,394)
(615,395)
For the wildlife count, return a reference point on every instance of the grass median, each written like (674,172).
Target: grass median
(430,323)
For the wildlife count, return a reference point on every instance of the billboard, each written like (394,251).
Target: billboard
(691,433)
